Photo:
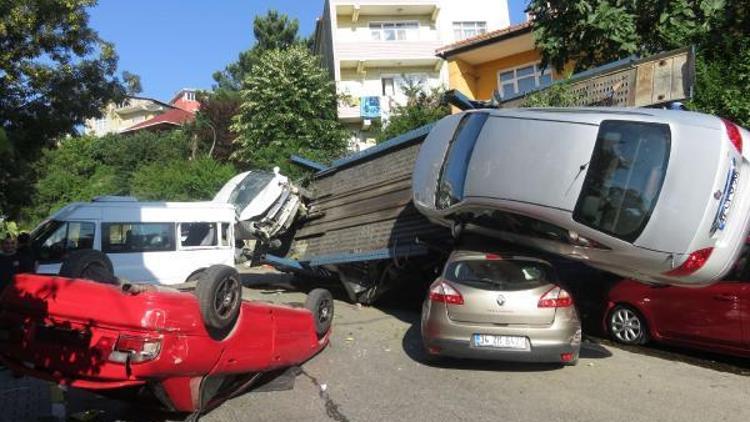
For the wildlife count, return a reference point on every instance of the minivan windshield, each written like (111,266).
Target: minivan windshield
(625,177)
(503,274)
(249,188)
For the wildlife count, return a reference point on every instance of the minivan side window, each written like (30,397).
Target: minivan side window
(137,237)
(226,234)
(198,235)
(56,238)
(624,178)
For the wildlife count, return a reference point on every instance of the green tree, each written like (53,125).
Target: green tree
(211,130)
(132,83)
(288,107)
(81,168)
(593,32)
(423,106)
(274,31)
(69,173)
(181,180)
(55,72)
(558,94)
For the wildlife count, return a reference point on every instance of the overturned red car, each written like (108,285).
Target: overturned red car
(191,351)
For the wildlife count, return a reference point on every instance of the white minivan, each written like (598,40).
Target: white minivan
(150,242)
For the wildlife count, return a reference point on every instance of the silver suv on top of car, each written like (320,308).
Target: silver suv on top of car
(656,195)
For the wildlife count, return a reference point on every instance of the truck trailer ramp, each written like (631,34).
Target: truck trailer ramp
(362,224)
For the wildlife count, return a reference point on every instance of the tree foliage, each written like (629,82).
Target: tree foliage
(181,180)
(288,107)
(149,165)
(424,105)
(211,129)
(594,32)
(274,31)
(558,94)
(132,83)
(55,72)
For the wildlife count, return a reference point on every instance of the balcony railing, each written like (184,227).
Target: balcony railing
(403,51)
(351,108)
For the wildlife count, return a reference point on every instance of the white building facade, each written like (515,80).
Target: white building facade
(372,48)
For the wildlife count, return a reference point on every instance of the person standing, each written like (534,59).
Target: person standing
(8,261)
(26,259)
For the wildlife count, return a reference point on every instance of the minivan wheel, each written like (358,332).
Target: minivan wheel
(219,294)
(627,326)
(320,303)
(89,264)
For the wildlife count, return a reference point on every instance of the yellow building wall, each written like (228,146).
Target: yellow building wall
(478,82)
(487,72)
(463,77)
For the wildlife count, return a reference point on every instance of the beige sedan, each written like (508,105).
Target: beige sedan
(500,307)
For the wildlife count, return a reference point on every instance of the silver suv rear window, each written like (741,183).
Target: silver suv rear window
(498,274)
(624,177)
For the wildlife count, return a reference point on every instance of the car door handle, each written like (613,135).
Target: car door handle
(726,298)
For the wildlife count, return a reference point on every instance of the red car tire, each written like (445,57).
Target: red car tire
(219,293)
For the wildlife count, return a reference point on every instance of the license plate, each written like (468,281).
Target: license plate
(726,203)
(500,342)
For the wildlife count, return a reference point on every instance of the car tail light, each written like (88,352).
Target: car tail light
(693,263)
(734,134)
(492,257)
(135,349)
(566,357)
(555,297)
(441,291)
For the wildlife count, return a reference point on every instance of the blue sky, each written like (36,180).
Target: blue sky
(175,44)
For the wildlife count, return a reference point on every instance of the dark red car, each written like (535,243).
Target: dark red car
(714,318)
(105,337)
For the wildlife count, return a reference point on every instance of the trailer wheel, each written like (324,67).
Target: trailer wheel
(320,303)
(219,294)
(89,264)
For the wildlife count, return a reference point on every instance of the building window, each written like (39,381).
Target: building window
(101,125)
(522,79)
(389,87)
(394,31)
(463,30)
(190,96)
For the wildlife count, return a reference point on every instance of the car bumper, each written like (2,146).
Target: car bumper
(547,343)
(537,354)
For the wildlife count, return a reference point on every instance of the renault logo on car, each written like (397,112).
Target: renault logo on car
(500,300)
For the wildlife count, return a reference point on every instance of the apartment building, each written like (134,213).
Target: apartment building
(373,48)
(136,113)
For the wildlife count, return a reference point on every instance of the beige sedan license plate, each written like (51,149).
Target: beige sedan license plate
(500,342)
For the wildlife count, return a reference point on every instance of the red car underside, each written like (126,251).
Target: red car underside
(66,330)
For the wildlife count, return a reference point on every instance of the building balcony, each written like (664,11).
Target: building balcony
(364,109)
(358,8)
(387,54)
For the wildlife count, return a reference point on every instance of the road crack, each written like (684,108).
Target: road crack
(332,408)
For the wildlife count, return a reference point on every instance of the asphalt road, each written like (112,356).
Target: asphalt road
(375,370)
